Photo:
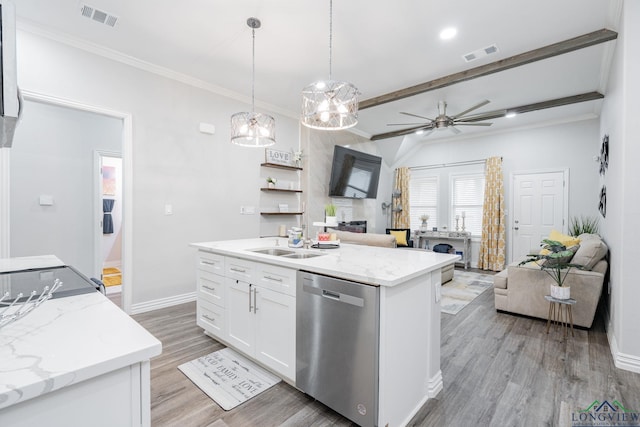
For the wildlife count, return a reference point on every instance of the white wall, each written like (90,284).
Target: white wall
(620,229)
(204,177)
(569,145)
(53,155)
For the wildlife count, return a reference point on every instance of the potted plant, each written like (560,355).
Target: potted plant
(271,182)
(582,225)
(330,214)
(556,262)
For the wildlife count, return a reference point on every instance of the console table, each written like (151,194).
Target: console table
(424,238)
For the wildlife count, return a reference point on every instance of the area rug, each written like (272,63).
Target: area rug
(228,378)
(462,289)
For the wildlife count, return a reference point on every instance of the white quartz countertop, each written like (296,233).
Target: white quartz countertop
(365,264)
(66,341)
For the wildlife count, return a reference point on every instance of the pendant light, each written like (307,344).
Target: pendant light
(253,129)
(330,104)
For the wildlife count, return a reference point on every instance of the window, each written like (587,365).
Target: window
(423,199)
(467,197)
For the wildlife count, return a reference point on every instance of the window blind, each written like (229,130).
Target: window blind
(423,198)
(467,193)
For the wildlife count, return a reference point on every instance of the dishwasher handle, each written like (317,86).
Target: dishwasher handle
(332,295)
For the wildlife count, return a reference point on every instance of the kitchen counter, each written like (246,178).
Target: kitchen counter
(408,282)
(74,358)
(366,264)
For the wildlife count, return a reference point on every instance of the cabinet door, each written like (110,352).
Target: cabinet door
(240,316)
(276,331)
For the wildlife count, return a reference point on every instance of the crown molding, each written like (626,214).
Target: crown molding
(114,55)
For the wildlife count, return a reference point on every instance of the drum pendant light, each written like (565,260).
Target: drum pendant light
(330,104)
(253,129)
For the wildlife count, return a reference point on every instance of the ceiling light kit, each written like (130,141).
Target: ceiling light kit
(330,104)
(253,129)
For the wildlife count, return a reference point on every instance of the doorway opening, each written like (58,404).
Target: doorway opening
(109,223)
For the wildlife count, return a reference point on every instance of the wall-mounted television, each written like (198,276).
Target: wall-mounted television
(354,174)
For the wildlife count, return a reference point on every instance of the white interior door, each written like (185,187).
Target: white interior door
(540,204)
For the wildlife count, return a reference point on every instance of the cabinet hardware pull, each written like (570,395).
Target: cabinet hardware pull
(208,318)
(275,279)
(255,302)
(209,287)
(237,270)
(208,262)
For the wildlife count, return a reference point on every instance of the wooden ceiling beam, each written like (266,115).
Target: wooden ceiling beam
(560,48)
(567,100)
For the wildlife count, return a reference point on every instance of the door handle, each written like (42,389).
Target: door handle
(516,228)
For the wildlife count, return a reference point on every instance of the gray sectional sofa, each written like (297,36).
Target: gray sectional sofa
(521,289)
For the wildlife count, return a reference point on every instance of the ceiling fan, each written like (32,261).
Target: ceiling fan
(442,121)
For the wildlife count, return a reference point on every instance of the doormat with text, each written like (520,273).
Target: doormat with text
(228,378)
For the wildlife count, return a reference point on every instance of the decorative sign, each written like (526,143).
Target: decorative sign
(278,157)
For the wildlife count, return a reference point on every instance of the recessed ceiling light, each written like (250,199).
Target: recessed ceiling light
(419,132)
(510,115)
(448,33)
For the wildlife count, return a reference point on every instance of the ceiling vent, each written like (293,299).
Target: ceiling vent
(98,15)
(480,53)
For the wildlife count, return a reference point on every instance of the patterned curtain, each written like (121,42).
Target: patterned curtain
(401,204)
(492,245)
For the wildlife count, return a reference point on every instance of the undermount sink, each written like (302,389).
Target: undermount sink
(273,251)
(302,255)
(285,253)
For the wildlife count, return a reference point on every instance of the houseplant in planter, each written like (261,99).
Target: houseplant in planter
(555,260)
(271,182)
(330,214)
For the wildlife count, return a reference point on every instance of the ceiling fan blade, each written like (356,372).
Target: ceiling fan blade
(468,110)
(405,124)
(455,130)
(473,124)
(415,115)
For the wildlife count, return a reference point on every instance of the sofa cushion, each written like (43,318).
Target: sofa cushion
(401,237)
(592,249)
(369,239)
(565,239)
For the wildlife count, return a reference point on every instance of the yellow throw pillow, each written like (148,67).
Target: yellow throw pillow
(401,237)
(566,240)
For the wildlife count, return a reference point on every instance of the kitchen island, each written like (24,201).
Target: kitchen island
(73,361)
(408,282)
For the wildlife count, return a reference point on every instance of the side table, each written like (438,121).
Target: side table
(560,313)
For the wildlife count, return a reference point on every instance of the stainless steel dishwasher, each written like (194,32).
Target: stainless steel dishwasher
(337,340)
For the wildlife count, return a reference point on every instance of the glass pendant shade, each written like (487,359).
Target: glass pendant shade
(253,129)
(330,105)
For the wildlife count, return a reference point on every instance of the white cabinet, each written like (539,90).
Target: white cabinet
(241,332)
(275,331)
(211,300)
(251,307)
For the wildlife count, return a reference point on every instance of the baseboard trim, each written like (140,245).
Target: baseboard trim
(624,361)
(143,307)
(435,385)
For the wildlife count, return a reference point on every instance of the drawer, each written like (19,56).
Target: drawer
(212,263)
(239,269)
(279,279)
(211,318)
(211,287)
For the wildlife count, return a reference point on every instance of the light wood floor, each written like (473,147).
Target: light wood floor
(498,370)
